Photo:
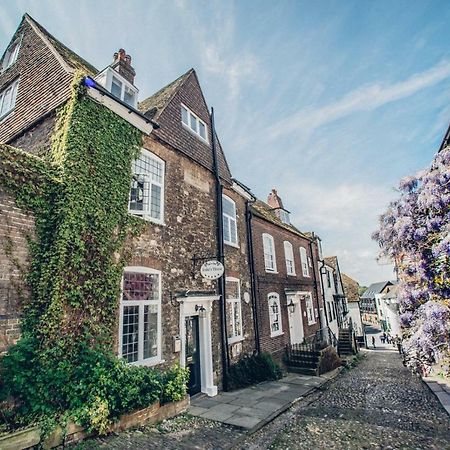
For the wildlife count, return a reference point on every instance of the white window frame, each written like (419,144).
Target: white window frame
(11,54)
(304,262)
(141,303)
(105,79)
(235,303)
(188,125)
(147,178)
(310,309)
(271,297)
(270,260)
(13,87)
(289,257)
(230,220)
(284,216)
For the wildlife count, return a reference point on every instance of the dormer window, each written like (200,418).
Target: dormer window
(118,86)
(11,54)
(8,99)
(284,216)
(193,123)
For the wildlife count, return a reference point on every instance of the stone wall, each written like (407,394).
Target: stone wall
(15,227)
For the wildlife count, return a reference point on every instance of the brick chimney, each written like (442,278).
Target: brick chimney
(122,64)
(273,200)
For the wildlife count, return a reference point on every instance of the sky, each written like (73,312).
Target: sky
(329,102)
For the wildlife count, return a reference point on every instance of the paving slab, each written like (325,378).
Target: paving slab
(250,407)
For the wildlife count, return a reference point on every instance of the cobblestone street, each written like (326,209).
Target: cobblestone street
(376,405)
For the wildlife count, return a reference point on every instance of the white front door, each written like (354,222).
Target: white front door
(295,320)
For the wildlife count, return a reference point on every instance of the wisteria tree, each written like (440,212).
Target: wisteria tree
(415,234)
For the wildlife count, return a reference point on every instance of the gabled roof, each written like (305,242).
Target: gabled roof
(331,261)
(375,288)
(351,287)
(154,105)
(263,210)
(69,57)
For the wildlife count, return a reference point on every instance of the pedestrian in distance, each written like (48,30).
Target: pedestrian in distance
(373,341)
(389,338)
(398,341)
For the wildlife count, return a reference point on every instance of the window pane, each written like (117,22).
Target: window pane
(140,286)
(150,331)
(184,115)
(237,318)
(130,333)
(226,229)
(228,207)
(202,130)
(229,307)
(232,289)
(116,88)
(128,97)
(155,202)
(7,98)
(137,194)
(193,123)
(233,231)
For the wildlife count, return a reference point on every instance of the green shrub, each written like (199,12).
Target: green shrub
(254,369)
(92,386)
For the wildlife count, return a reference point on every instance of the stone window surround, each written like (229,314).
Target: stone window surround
(158,358)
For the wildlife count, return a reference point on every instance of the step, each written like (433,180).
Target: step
(302,364)
(303,371)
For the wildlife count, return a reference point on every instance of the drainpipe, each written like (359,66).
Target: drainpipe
(221,256)
(322,262)
(315,281)
(251,263)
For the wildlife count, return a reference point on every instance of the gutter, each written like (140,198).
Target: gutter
(221,256)
(92,84)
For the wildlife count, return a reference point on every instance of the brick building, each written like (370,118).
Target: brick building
(167,312)
(287,282)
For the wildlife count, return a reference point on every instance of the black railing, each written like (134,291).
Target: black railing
(319,340)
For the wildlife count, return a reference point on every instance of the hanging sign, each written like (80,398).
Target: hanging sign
(212,269)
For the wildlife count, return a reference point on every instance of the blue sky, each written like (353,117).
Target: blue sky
(331,102)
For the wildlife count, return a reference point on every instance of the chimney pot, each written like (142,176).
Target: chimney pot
(122,65)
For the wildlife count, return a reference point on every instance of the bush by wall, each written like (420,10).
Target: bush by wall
(254,369)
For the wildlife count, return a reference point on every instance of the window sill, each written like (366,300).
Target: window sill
(148,363)
(291,275)
(147,218)
(278,333)
(271,271)
(312,323)
(235,340)
(231,244)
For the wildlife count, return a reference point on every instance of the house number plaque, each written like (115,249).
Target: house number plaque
(212,269)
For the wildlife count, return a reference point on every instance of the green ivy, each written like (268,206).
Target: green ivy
(64,364)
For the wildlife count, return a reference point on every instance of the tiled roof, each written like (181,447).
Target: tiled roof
(375,288)
(153,106)
(351,287)
(73,60)
(263,210)
(331,261)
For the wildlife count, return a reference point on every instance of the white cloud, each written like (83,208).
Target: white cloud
(365,98)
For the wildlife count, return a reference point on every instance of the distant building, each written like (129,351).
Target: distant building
(368,302)
(388,310)
(351,288)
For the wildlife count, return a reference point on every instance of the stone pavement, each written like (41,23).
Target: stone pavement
(441,390)
(253,407)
